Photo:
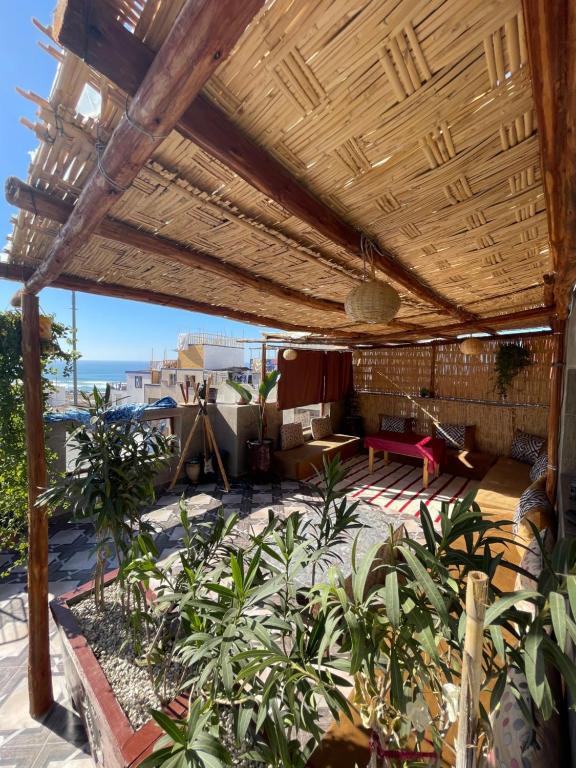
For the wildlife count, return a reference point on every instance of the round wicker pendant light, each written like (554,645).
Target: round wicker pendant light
(372,302)
(289,354)
(472,347)
(45,327)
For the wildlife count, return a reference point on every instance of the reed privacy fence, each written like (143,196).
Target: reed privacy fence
(389,381)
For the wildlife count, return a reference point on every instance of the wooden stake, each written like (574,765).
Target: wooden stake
(555,407)
(476,597)
(39,672)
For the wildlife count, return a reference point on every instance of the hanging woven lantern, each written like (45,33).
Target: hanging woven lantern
(289,354)
(45,327)
(372,302)
(472,347)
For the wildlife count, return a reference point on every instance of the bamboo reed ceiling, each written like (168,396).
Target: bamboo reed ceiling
(412,119)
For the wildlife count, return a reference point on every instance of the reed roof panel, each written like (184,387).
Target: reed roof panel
(413,120)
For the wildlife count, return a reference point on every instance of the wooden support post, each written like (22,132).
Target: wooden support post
(555,406)
(39,672)
(476,597)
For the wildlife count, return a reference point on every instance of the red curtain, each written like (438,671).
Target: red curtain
(337,376)
(314,377)
(301,380)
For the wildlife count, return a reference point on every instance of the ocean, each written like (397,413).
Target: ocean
(98,372)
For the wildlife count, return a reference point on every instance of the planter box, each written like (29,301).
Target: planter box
(113,741)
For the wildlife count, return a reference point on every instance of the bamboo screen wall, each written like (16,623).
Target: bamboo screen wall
(389,381)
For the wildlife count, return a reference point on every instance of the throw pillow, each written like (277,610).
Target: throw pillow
(539,468)
(526,447)
(321,427)
(291,436)
(533,507)
(532,563)
(454,435)
(395,423)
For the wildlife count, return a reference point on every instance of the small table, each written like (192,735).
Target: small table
(430,449)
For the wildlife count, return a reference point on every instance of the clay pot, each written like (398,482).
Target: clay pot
(193,469)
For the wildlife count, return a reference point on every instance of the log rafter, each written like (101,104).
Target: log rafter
(50,207)
(189,55)
(551,37)
(91,31)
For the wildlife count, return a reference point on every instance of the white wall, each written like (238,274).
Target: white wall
(132,394)
(216,357)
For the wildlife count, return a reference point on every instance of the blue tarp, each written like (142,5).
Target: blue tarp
(120,413)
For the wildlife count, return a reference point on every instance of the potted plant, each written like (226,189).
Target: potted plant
(259,450)
(425,392)
(511,359)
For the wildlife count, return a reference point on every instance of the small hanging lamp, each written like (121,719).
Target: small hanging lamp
(289,354)
(45,327)
(472,346)
(371,301)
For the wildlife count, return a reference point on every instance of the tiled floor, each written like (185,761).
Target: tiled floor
(59,740)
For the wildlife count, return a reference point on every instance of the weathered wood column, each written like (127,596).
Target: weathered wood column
(555,406)
(39,672)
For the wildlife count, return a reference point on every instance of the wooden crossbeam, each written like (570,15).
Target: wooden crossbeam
(50,207)
(115,290)
(191,52)
(551,37)
(91,31)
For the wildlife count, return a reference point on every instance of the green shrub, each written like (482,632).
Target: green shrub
(13,470)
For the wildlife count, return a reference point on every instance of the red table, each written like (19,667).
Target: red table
(430,449)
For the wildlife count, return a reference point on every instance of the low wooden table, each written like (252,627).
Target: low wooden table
(430,449)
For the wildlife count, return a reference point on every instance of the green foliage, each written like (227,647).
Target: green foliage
(254,637)
(111,482)
(269,381)
(511,359)
(13,470)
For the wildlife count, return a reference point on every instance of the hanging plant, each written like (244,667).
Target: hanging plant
(511,359)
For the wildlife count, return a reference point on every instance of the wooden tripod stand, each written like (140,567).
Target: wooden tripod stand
(202,419)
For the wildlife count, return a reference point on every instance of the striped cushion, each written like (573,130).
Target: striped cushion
(539,468)
(321,427)
(454,435)
(526,447)
(291,436)
(395,423)
(532,502)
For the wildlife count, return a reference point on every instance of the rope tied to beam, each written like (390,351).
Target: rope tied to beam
(140,128)
(100,147)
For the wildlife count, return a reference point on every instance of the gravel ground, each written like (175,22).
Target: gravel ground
(111,644)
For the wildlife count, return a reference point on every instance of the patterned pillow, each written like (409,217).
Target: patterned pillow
(526,447)
(321,427)
(533,507)
(539,468)
(454,435)
(395,423)
(291,436)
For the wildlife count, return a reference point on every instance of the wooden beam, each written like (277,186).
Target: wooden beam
(551,36)
(91,31)
(115,290)
(50,207)
(39,672)
(511,320)
(191,52)
(555,406)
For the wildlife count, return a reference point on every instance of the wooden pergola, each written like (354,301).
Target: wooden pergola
(245,152)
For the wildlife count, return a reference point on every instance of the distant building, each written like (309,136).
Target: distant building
(201,358)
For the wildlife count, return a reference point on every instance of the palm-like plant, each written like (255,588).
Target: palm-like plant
(269,381)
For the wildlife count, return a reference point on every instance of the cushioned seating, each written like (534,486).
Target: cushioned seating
(471,464)
(300,462)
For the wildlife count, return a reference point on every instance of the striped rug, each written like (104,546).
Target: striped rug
(398,489)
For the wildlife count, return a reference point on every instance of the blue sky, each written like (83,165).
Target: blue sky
(108,329)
